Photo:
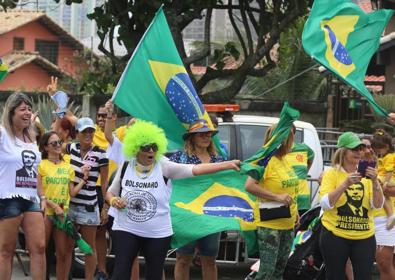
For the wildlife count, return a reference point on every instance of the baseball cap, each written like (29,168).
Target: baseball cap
(84,123)
(349,140)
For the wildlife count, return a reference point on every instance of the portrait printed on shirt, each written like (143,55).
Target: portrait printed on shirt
(26,177)
(353,215)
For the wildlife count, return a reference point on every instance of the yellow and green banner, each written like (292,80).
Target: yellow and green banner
(343,38)
(3,70)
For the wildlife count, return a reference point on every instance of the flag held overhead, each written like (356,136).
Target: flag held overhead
(343,38)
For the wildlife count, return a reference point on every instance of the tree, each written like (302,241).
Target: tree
(257,24)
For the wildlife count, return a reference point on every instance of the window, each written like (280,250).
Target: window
(48,49)
(19,44)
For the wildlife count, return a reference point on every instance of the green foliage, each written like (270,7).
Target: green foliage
(292,61)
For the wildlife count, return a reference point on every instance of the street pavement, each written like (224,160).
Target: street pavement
(225,272)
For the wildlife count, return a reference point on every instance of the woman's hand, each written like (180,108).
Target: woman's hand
(58,211)
(85,171)
(285,198)
(371,173)
(234,164)
(353,178)
(118,202)
(103,216)
(43,205)
(53,86)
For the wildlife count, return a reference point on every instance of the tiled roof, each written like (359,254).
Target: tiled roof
(375,83)
(18,59)
(372,78)
(13,19)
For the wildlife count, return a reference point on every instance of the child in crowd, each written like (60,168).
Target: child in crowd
(382,146)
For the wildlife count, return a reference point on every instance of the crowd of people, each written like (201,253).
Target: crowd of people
(64,174)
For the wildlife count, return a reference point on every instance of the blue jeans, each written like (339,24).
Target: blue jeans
(13,207)
(208,246)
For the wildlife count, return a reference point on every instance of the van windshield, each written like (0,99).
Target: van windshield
(249,138)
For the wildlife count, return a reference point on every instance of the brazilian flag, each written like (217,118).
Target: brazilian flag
(343,38)
(3,70)
(255,165)
(156,87)
(207,204)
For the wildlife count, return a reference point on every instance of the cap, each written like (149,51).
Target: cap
(199,126)
(84,123)
(349,140)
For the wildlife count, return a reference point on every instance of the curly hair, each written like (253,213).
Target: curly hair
(143,133)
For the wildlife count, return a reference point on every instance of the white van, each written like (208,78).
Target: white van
(244,136)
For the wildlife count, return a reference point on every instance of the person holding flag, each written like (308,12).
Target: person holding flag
(276,210)
(141,192)
(198,148)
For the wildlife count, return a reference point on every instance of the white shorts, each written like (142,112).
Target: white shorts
(384,237)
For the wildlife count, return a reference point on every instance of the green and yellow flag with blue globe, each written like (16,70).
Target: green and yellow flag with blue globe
(156,87)
(343,38)
(3,70)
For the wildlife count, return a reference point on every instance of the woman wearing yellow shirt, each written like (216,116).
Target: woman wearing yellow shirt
(276,211)
(348,200)
(56,176)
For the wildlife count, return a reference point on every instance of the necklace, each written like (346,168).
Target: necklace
(55,161)
(141,172)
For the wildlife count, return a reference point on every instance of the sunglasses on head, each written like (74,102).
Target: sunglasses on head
(56,143)
(147,148)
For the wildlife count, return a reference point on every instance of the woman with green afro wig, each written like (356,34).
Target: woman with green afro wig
(143,133)
(140,193)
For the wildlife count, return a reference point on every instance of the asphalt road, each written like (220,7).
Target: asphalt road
(225,272)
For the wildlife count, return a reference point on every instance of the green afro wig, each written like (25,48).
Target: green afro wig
(143,133)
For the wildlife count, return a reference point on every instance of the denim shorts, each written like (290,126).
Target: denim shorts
(208,246)
(79,215)
(13,207)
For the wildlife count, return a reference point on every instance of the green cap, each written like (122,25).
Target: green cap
(349,140)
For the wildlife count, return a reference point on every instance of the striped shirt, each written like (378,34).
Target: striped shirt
(95,158)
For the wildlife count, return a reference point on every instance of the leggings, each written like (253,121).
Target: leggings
(336,250)
(127,247)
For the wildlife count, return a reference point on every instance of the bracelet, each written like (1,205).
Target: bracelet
(112,200)
(42,197)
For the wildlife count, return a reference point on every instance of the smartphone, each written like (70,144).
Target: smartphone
(363,164)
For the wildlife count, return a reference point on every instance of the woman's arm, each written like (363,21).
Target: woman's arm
(40,193)
(378,197)
(208,168)
(110,122)
(104,179)
(252,186)
(75,188)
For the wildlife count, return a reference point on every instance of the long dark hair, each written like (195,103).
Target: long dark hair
(44,142)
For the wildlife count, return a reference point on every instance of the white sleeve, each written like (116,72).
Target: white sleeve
(115,187)
(173,170)
(114,151)
(325,204)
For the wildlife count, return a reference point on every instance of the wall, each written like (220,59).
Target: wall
(29,77)
(390,74)
(31,32)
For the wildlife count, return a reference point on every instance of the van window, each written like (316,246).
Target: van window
(224,135)
(252,136)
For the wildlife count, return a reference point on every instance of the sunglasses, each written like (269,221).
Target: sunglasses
(147,148)
(101,115)
(56,143)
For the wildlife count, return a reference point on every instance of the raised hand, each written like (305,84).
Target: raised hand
(53,86)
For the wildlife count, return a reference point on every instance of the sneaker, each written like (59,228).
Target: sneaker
(390,222)
(101,276)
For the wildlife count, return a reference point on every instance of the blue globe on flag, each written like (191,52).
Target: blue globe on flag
(183,98)
(339,51)
(229,206)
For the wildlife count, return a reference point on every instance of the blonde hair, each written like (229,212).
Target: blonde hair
(286,145)
(14,101)
(338,157)
(189,146)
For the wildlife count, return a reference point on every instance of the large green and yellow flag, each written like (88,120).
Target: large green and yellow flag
(343,38)
(207,204)
(255,165)
(3,70)
(156,87)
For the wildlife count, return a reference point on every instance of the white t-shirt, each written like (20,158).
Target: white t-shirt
(114,151)
(18,167)
(147,213)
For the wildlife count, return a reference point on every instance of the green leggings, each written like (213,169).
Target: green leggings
(274,248)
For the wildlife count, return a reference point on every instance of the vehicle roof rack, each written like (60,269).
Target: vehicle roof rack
(224,111)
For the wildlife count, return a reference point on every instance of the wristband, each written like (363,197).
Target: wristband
(112,200)
(42,197)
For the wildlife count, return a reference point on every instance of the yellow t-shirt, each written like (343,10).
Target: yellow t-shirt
(386,164)
(279,178)
(352,215)
(55,179)
(99,139)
